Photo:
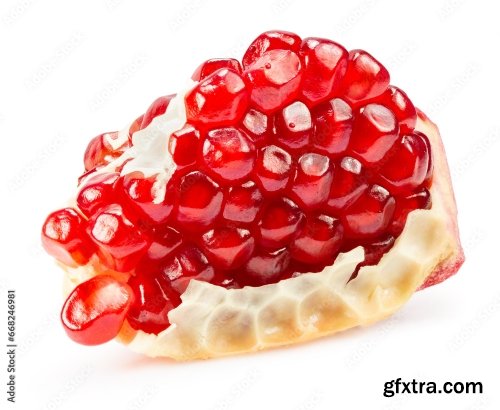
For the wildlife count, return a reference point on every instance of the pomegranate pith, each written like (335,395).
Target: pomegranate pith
(302,151)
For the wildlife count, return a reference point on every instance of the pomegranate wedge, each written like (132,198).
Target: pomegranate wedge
(269,202)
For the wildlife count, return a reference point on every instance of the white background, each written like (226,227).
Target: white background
(72,70)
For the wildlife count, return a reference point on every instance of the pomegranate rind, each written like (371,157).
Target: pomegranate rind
(214,321)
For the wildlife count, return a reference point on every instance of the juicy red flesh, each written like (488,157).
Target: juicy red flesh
(301,152)
(94,312)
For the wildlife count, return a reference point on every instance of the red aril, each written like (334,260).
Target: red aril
(94,312)
(228,154)
(220,99)
(273,168)
(243,203)
(119,243)
(365,78)
(319,240)
(401,106)
(154,298)
(183,145)
(228,248)
(97,191)
(258,126)
(333,120)
(64,237)
(274,80)
(349,182)
(265,267)
(325,64)
(294,126)
(270,40)
(374,133)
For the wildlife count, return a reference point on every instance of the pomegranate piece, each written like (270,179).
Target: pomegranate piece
(399,103)
(210,66)
(333,126)
(187,264)
(418,200)
(365,78)
(228,154)
(313,180)
(273,168)
(279,224)
(228,248)
(274,79)
(158,107)
(94,312)
(200,201)
(325,64)
(183,145)
(370,215)
(258,127)
(319,240)
(408,167)
(348,184)
(374,133)
(280,163)
(270,40)
(153,299)
(294,126)
(97,192)
(243,203)
(119,244)
(64,237)
(145,200)
(218,100)
(265,267)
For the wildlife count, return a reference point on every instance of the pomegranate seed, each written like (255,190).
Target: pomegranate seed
(258,126)
(97,192)
(319,241)
(399,103)
(294,126)
(210,66)
(325,64)
(333,126)
(220,99)
(154,298)
(265,267)
(94,312)
(228,154)
(243,203)
(365,78)
(64,237)
(273,168)
(370,214)
(348,184)
(145,199)
(418,200)
(375,132)
(313,180)
(99,151)
(119,244)
(274,79)
(270,40)
(158,107)
(408,167)
(183,145)
(163,244)
(279,224)
(228,248)
(189,263)
(200,201)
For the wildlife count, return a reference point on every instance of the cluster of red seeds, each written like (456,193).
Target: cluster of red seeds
(301,152)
